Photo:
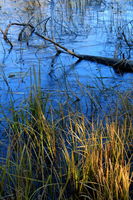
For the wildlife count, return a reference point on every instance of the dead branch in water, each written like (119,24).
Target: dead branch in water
(6,38)
(121,65)
(5,33)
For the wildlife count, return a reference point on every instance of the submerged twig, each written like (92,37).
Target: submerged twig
(45,24)
(127,42)
(5,33)
(6,38)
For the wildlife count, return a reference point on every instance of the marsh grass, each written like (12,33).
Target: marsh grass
(59,153)
(67,156)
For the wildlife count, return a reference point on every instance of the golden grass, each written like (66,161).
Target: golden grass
(66,158)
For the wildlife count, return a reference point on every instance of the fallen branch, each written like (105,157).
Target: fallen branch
(5,33)
(121,65)
(6,38)
(118,64)
(57,44)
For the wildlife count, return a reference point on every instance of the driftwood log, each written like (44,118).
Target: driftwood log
(119,65)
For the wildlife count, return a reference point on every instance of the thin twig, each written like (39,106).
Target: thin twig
(57,44)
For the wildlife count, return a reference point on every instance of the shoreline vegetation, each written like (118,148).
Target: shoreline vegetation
(66,156)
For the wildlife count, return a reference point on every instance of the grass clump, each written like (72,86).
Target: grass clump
(67,156)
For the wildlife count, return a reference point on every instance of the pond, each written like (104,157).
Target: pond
(92,27)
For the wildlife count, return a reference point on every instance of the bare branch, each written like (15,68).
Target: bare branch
(118,64)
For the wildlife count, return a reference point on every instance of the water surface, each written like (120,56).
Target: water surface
(93,27)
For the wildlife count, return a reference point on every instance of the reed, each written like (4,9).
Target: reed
(67,156)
